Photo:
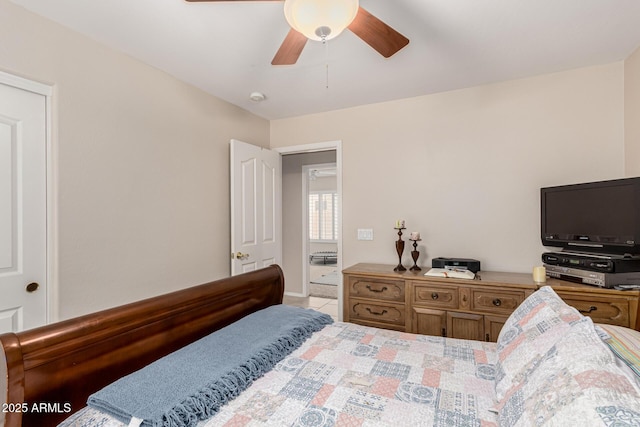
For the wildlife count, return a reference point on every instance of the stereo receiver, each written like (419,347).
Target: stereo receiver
(470,264)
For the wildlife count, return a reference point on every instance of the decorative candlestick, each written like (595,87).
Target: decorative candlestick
(415,253)
(400,247)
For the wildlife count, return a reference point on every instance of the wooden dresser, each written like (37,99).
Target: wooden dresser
(375,295)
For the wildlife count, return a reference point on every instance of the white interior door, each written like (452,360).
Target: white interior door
(23,218)
(256,186)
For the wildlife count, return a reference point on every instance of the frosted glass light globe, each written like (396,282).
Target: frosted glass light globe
(320,19)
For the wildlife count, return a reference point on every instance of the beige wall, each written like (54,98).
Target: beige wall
(465,167)
(142,165)
(292,214)
(632,114)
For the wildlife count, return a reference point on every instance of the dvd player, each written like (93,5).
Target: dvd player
(593,262)
(596,278)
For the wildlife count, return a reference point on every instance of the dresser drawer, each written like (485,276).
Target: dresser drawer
(377,312)
(380,289)
(613,311)
(435,296)
(495,301)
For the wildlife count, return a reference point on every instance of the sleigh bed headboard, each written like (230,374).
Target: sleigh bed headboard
(56,367)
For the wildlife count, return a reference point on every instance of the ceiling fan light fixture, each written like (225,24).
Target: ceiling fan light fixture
(320,19)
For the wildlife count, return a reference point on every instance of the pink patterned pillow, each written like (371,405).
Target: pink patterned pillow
(531,330)
(576,382)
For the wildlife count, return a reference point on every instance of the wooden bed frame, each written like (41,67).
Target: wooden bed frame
(51,370)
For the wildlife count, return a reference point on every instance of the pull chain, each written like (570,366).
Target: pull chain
(326,43)
(323,32)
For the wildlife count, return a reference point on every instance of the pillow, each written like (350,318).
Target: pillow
(625,345)
(575,382)
(532,329)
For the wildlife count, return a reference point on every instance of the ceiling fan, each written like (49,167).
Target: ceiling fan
(325,19)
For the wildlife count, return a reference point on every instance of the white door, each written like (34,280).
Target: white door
(23,218)
(256,186)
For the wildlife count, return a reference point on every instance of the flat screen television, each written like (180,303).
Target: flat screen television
(602,217)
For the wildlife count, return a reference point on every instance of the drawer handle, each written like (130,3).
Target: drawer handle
(497,302)
(377,313)
(592,308)
(434,296)
(384,288)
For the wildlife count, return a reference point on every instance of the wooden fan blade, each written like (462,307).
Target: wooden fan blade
(290,49)
(377,34)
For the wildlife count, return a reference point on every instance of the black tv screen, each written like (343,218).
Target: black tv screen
(601,217)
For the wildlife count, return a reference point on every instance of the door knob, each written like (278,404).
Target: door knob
(32,287)
(240,255)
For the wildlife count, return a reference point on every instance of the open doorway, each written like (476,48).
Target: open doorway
(296,248)
(320,227)
(295,259)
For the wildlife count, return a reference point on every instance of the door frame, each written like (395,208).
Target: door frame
(51,188)
(325,146)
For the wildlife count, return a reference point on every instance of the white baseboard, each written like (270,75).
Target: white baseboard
(295,294)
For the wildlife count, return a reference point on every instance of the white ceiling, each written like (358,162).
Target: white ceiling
(225,48)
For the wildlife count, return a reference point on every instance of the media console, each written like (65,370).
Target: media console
(409,301)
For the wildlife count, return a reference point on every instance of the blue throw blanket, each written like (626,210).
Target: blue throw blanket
(192,383)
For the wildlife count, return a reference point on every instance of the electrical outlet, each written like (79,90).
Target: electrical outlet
(365,233)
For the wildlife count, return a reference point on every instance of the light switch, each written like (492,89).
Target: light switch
(365,233)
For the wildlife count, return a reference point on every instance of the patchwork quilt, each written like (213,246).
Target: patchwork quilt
(352,375)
